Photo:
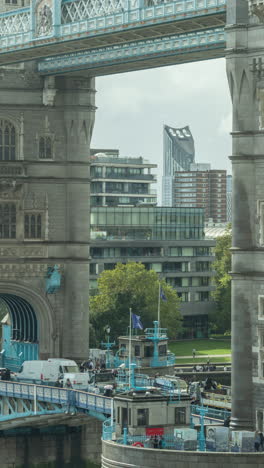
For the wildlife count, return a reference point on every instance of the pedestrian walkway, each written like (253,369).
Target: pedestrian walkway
(204,356)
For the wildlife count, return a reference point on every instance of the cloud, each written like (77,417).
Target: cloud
(225,125)
(133,107)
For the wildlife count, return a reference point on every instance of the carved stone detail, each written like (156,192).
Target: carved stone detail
(260,222)
(49,91)
(36,201)
(26,252)
(44,18)
(27,270)
(256,7)
(260,99)
(257,69)
(11,170)
(10,189)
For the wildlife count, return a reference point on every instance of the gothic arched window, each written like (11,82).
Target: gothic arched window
(7,221)
(7,141)
(33,223)
(45,147)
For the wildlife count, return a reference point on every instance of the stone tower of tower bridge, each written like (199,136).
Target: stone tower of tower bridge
(45,130)
(245,71)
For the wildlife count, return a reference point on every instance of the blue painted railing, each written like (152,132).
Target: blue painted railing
(79,399)
(212,413)
(108,429)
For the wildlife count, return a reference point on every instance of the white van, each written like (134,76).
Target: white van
(50,371)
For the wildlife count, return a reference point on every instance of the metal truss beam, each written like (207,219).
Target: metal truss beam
(141,54)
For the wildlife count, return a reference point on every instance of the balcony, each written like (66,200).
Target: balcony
(113,175)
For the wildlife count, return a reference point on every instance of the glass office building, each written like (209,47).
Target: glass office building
(146,223)
(170,241)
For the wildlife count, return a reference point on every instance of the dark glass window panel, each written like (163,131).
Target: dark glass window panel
(39,226)
(7,141)
(7,221)
(32,227)
(45,148)
(13,136)
(26,226)
(7,136)
(13,231)
(41,147)
(48,147)
(6,232)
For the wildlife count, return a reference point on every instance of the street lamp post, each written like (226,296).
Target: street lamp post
(108,345)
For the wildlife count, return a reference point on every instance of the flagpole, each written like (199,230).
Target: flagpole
(130,346)
(159,305)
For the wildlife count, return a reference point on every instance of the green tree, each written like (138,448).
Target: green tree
(132,286)
(220,321)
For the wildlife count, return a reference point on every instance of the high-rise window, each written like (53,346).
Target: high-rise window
(7,141)
(7,221)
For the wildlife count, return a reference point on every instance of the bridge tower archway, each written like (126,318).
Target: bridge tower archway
(29,328)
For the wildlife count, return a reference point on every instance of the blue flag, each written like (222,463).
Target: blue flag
(162,295)
(136,322)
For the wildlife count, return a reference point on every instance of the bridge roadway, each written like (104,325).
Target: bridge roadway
(111,37)
(24,404)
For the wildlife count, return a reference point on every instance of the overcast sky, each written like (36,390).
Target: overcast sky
(133,107)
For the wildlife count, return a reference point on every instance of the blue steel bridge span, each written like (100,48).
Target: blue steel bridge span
(25,404)
(113,36)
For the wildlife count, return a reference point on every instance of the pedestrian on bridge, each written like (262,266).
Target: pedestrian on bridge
(68,384)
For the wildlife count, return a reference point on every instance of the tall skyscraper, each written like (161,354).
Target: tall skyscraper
(178,154)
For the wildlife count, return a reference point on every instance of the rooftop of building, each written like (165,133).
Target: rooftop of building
(214,232)
(182,137)
(146,223)
(111,156)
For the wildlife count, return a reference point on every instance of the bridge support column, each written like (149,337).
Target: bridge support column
(245,54)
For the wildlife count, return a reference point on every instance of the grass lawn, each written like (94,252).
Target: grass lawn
(202,347)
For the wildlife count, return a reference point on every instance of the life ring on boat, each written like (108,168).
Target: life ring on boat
(137,444)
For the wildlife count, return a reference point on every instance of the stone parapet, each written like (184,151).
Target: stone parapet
(120,456)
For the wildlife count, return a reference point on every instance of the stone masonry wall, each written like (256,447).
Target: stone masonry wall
(77,449)
(119,456)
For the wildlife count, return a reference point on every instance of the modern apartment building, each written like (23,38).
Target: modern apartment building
(120,181)
(171,241)
(202,187)
(178,154)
